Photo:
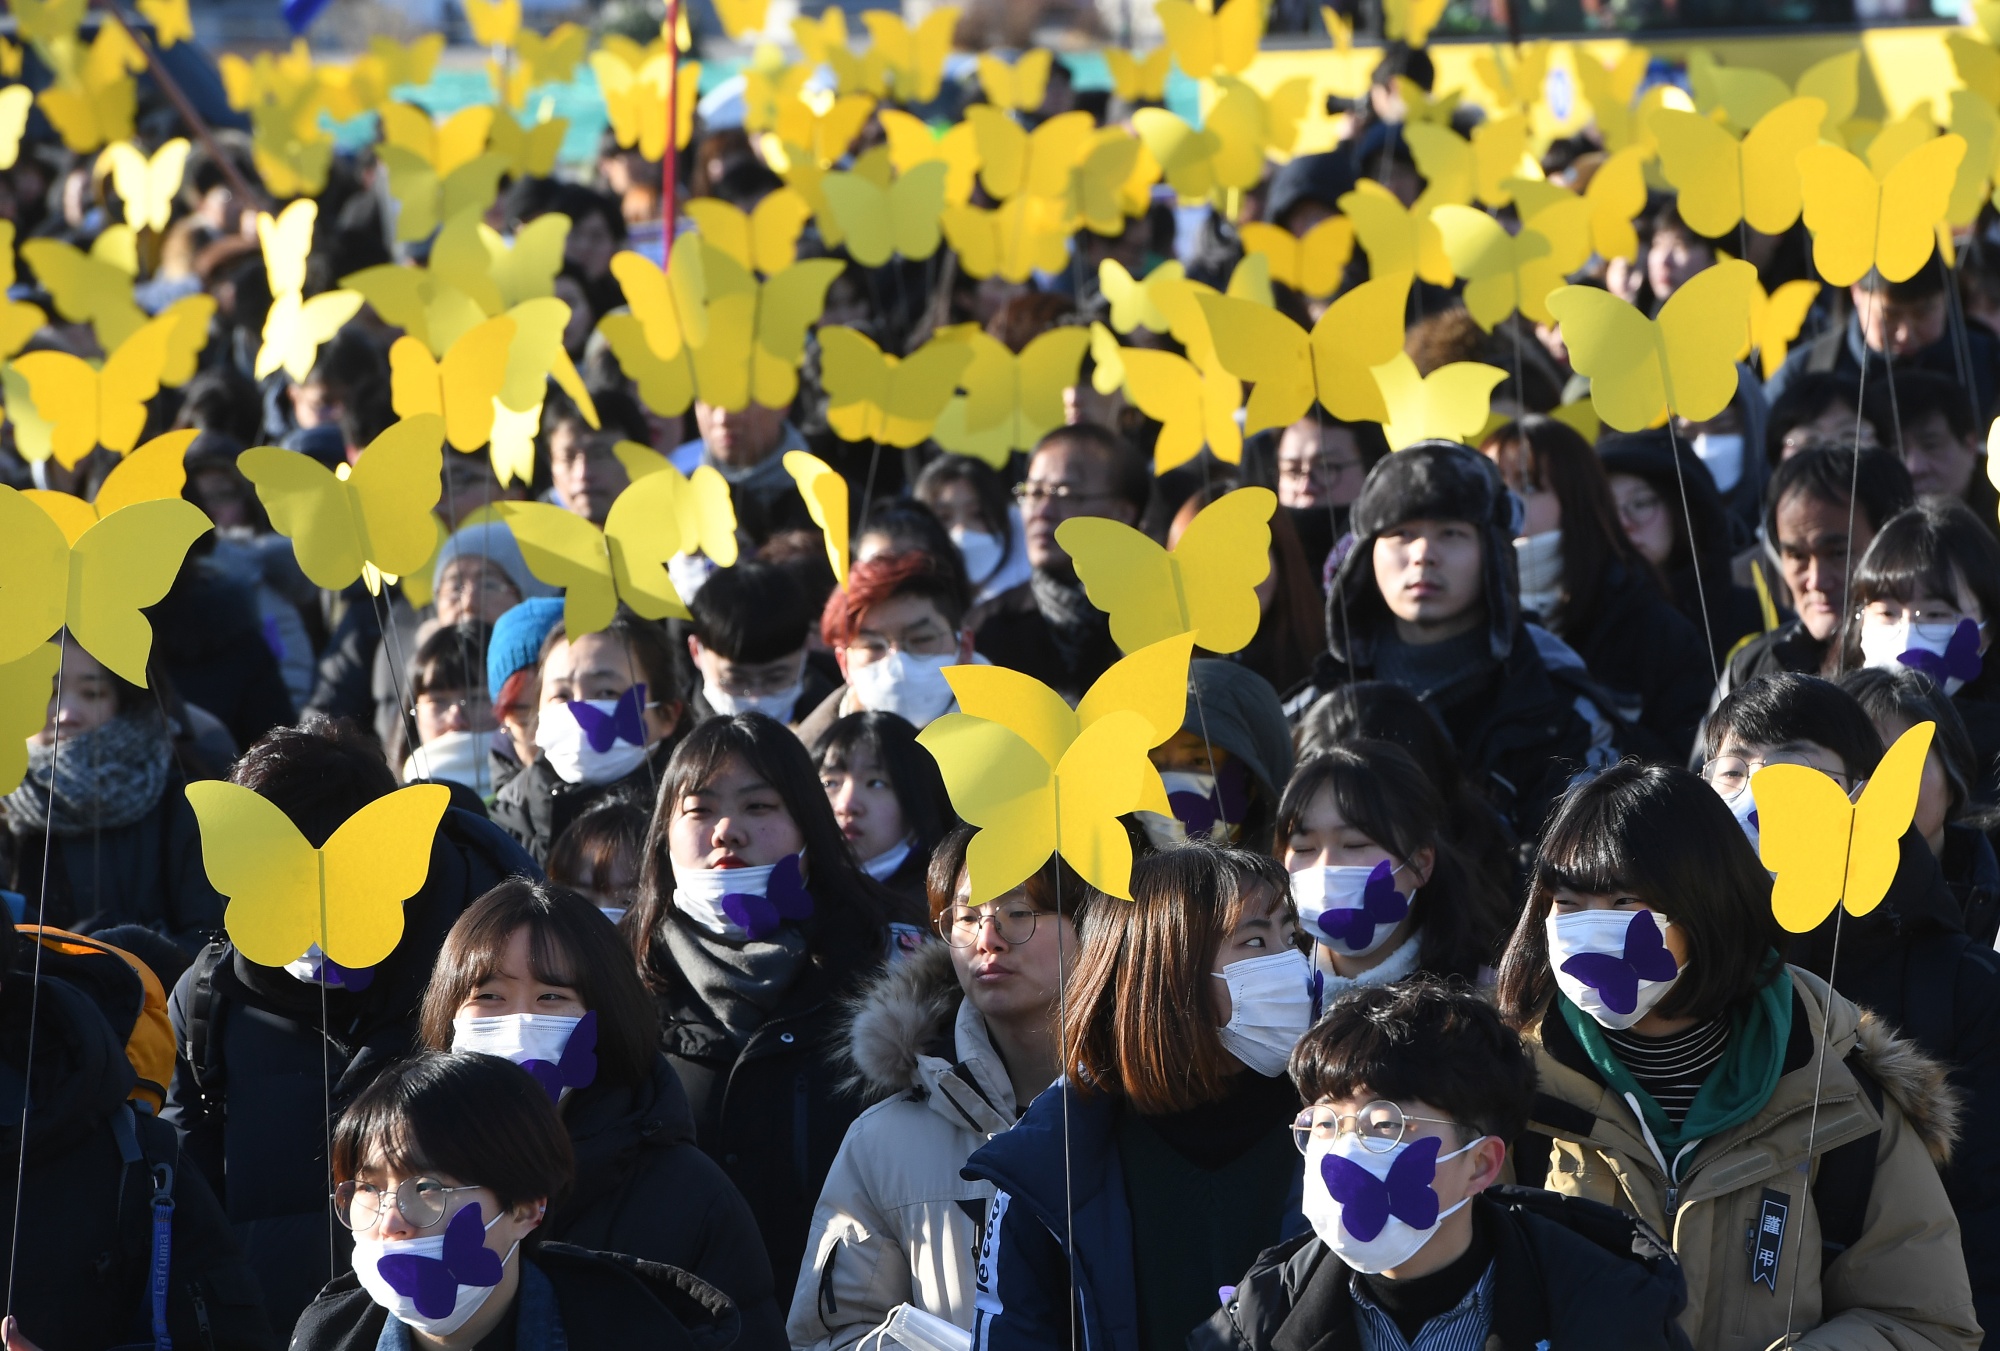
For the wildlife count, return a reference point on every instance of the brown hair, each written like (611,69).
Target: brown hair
(569,943)
(1141,1019)
(1051,889)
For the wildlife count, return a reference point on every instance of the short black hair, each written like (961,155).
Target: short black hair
(913,775)
(1806,396)
(1420,1040)
(1412,63)
(577,201)
(1131,472)
(1911,696)
(617,412)
(1926,550)
(1880,482)
(1660,834)
(1774,710)
(318,773)
(752,612)
(1925,282)
(451,657)
(223,399)
(349,364)
(1914,397)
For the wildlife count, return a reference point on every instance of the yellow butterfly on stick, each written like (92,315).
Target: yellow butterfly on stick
(1291,368)
(624,562)
(1311,264)
(702,505)
(825,494)
(345,897)
(875,396)
(89,406)
(93,288)
(1503,272)
(1395,238)
(1452,403)
(1721,180)
(146,186)
(1862,219)
(25,687)
(1195,407)
(1205,586)
(764,239)
(1020,85)
(877,223)
(1011,399)
(154,472)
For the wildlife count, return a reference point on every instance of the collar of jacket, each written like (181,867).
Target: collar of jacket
(686,1030)
(1576,1106)
(913,1031)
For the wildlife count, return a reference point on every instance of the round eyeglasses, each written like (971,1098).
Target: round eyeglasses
(961,925)
(1380,1126)
(420,1201)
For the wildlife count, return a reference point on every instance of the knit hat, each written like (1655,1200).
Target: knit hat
(516,641)
(1431,480)
(1322,178)
(494,542)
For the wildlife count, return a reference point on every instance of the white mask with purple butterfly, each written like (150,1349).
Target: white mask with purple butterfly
(1376,1210)
(1612,964)
(594,740)
(1950,656)
(560,1052)
(1350,909)
(433,1284)
(739,904)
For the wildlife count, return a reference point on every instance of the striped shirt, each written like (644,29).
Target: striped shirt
(1462,1328)
(1672,1068)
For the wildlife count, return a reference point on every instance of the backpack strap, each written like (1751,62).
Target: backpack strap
(204,1041)
(124,1127)
(1846,1179)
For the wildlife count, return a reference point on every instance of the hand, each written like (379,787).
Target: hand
(10,1335)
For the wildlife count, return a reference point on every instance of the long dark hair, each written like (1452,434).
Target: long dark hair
(850,908)
(1383,793)
(913,774)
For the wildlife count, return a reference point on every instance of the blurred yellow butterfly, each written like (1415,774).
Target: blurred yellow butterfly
(874,396)
(624,562)
(1022,236)
(1503,273)
(1204,43)
(1722,180)
(1290,368)
(742,17)
(1194,408)
(346,897)
(379,514)
(764,239)
(1827,850)
(1311,264)
(1451,403)
(461,389)
(1134,303)
(1014,161)
(1011,400)
(1186,156)
(1020,85)
(16,102)
(1860,219)
(878,223)
(89,406)
(152,473)
(1684,362)
(26,686)
(147,187)
(1138,79)
(1395,238)
(1206,586)
(914,57)
(702,506)
(87,288)
(1458,172)
(471,256)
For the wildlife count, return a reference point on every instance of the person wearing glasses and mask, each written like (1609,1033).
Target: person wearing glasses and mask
(1046,627)
(445,1168)
(1908,959)
(1421,1082)
(894,628)
(952,1044)
(748,642)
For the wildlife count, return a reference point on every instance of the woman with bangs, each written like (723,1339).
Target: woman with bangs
(1380,887)
(1923,598)
(752,923)
(1165,1164)
(533,974)
(1782,1139)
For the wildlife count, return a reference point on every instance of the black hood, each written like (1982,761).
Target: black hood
(1650,456)
(1918,903)
(80,1071)
(609,1125)
(1239,710)
(1431,480)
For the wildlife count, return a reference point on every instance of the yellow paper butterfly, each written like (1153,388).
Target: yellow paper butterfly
(1011,400)
(625,562)
(1134,303)
(1515,76)
(1827,850)
(634,84)
(95,100)
(1411,21)
(146,186)
(16,102)
(296,328)
(461,389)
(1775,320)
(874,396)
(378,514)
(742,17)
(914,57)
(1617,193)
(1021,85)
(1205,43)
(764,239)
(1194,408)
(825,493)
(877,223)
(97,586)
(1138,79)
(757,331)
(152,473)
(1206,586)
(1113,181)
(1722,180)
(1860,219)
(702,507)
(87,288)
(1015,161)
(1290,368)
(1503,273)
(1684,362)
(346,897)
(1312,263)
(494,24)
(1022,236)
(1458,172)
(1039,778)
(25,688)
(912,142)
(170,20)
(88,406)
(471,257)
(528,151)
(1452,403)
(1186,157)
(1395,238)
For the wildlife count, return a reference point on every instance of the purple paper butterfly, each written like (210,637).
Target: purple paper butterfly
(432,1282)
(337,977)
(785,897)
(1616,979)
(1367,1201)
(625,721)
(1960,660)
(1381,903)
(1228,803)
(578,1064)
(1317,985)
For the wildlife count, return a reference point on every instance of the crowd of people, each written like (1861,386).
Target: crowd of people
(1449,1007)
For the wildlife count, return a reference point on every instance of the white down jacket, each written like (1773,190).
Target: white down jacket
(895,1223)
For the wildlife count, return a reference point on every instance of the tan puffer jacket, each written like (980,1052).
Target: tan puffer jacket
(1901,1284)
(895,1223)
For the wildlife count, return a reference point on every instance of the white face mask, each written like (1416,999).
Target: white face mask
(455,757)
(1951,658)
(433,1284)
(780,705)
(689,572)
(1350,909)
(1744,808)
(1198,811)
(1723,454)
(1539,558)
(980,551)
(315,969)
(739,904)
(1273,1001)
(1376,1211)
(594,740)
(911,687)
(1612,964)
(560,1052)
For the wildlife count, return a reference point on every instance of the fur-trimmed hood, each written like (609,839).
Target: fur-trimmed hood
(1915,1082)
(911,1030)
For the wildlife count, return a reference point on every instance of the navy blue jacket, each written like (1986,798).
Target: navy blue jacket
(1024,1278)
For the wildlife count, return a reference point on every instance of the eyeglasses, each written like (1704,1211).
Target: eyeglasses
(1380,1126)
(1728,774)
(438,705)
(1029,493)
(1639,509)
(1927,621)
(1308,469)
(961,925)
(419,1200)
(934,643)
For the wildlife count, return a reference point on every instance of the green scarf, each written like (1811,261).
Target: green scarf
(1735,1090)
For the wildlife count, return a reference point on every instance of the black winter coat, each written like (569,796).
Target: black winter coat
(1910,961)
(1558,1285)
(209,640)
(148,873)
(536,806)
(1009,630)
(342,685)
(644,1188)
(81,1279)
(248,1095)
(1972,871)
(1651,660)
(1978,703)
(607,1303)
(1787,648)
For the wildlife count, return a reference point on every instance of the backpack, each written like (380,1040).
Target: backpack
(126,992)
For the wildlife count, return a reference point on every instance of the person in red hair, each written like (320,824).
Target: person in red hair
(896,625)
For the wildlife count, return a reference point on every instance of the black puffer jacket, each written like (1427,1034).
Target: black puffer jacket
(645,1189)
(1910,961)
(208,638)
(81,1268)
(1650,659)
(1787,648)
(606,1302)
(1568,1275)
(248,1094)
(536,806)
